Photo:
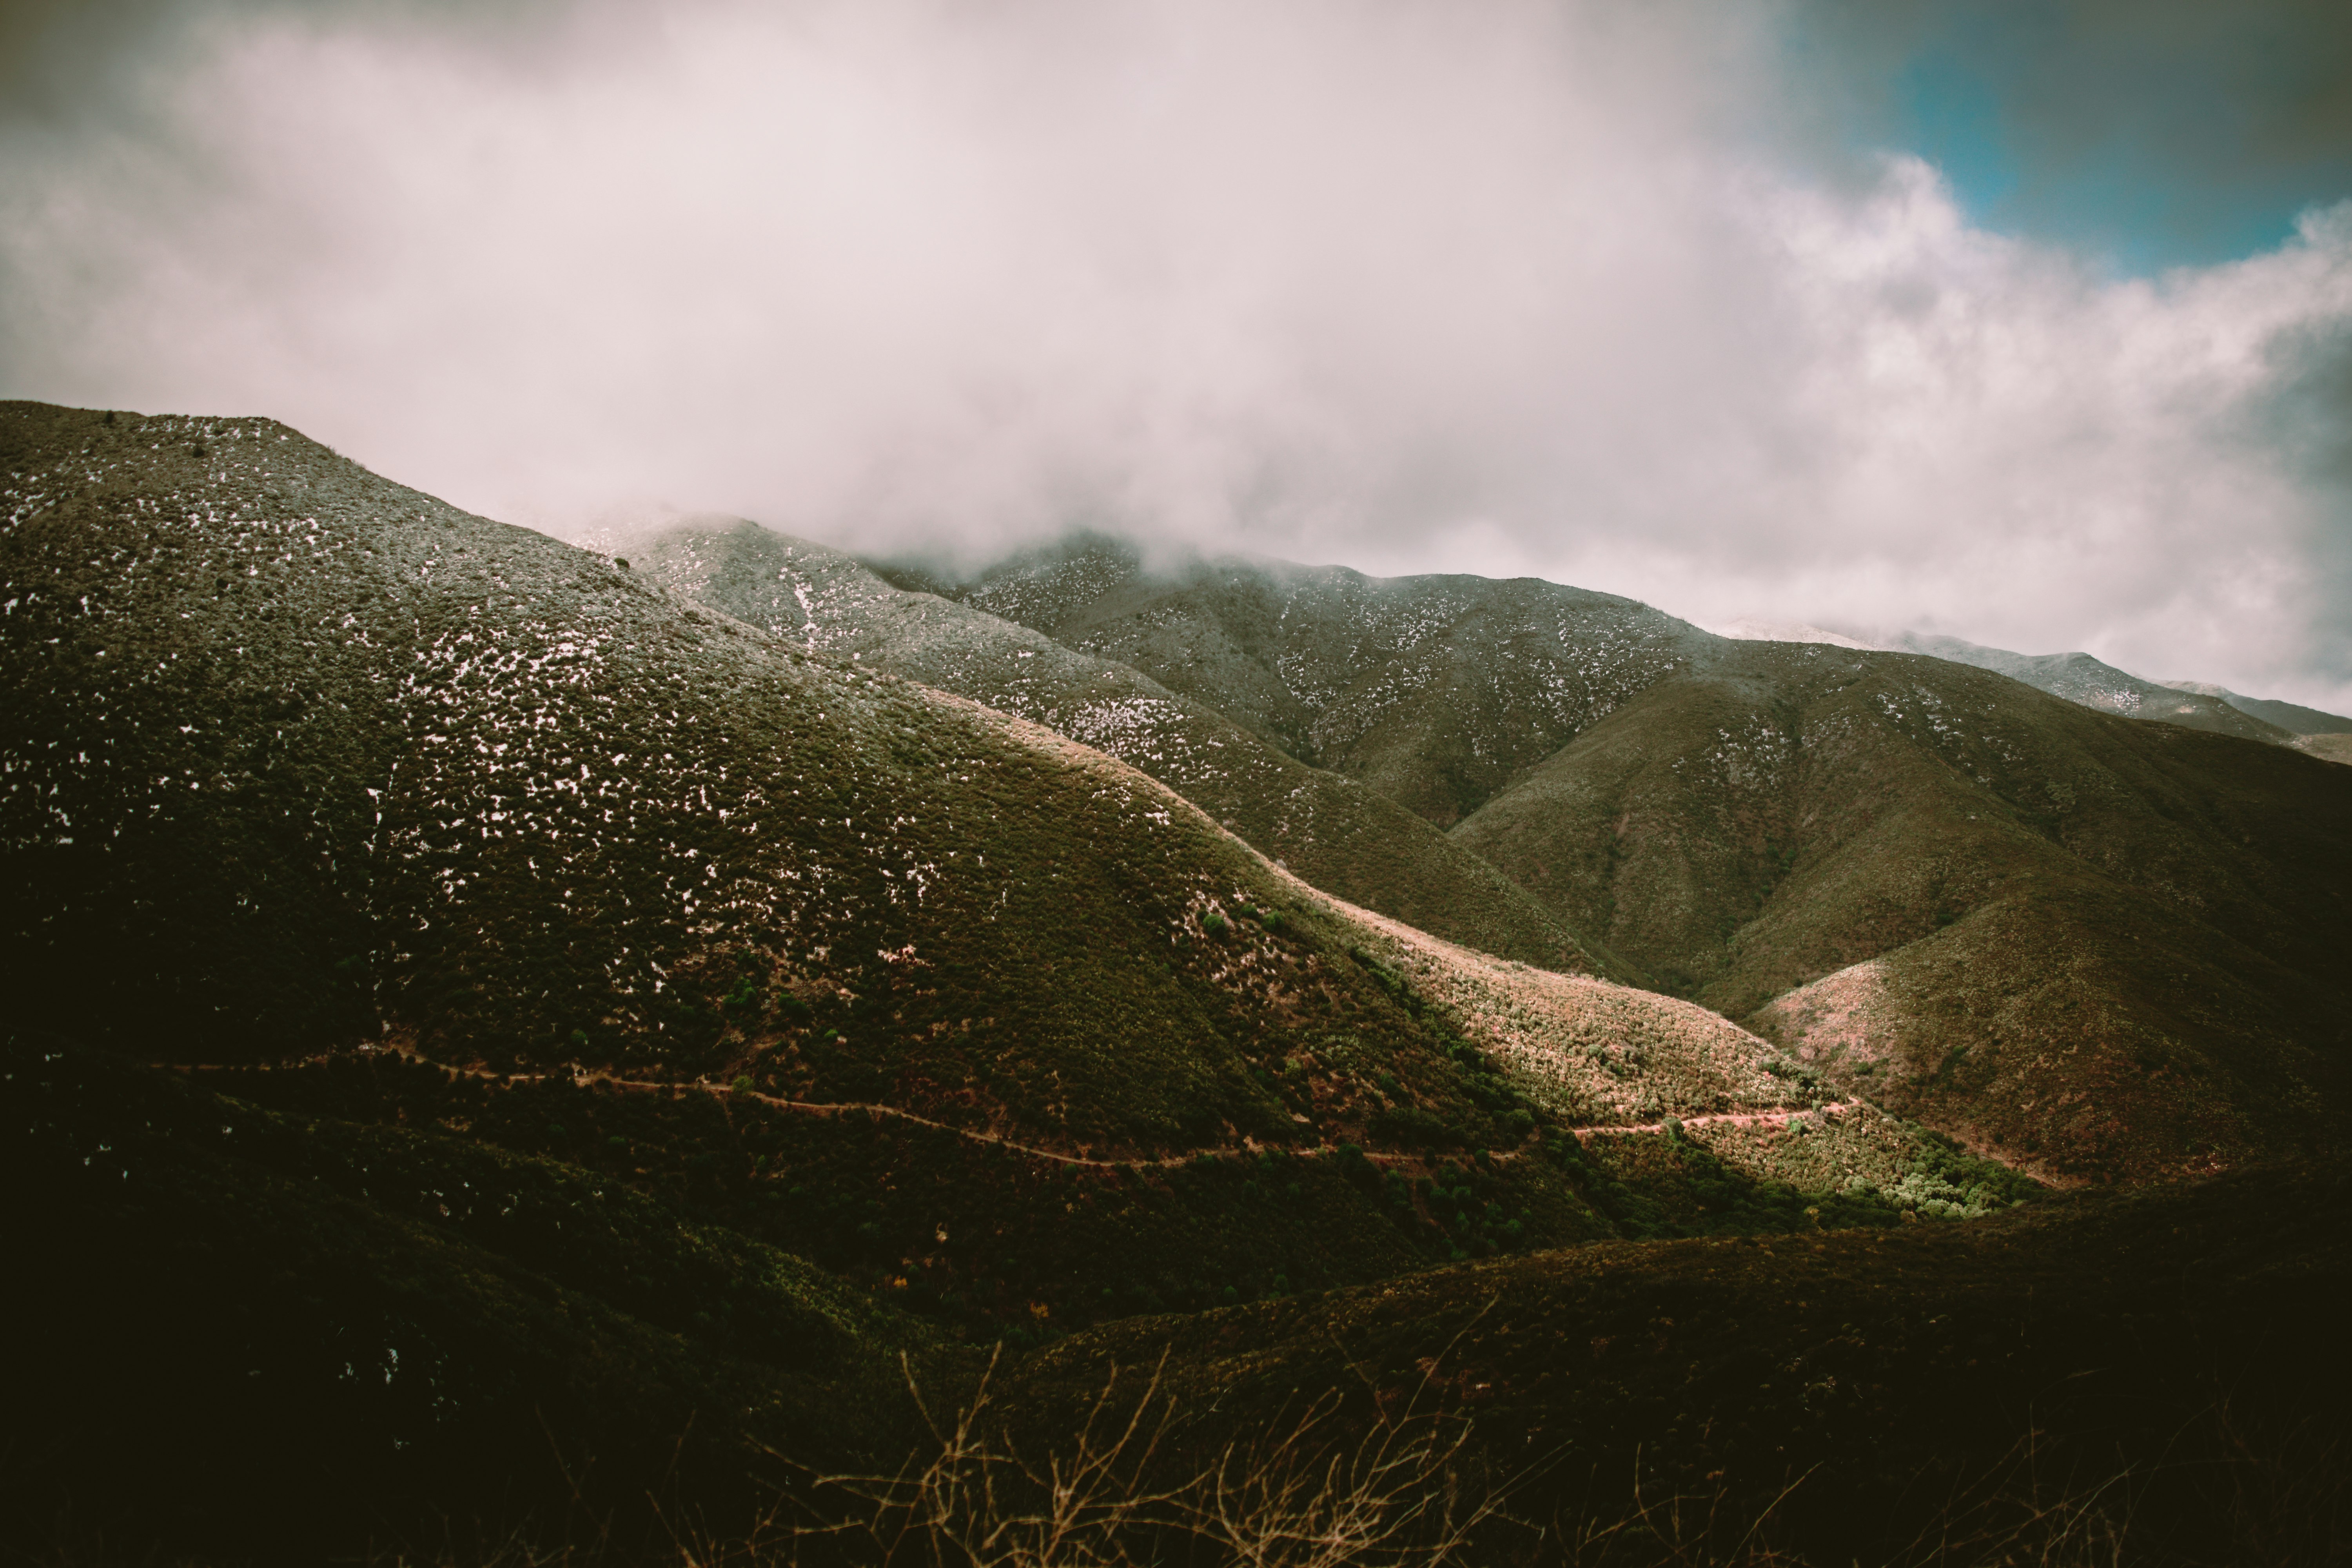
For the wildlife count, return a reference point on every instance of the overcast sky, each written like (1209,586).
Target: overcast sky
(2027,324)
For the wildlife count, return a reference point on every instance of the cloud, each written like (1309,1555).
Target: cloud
(1552,289)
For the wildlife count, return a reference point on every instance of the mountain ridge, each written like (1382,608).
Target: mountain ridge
(1338,835)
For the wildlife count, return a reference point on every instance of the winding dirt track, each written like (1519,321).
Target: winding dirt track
(1776,1117)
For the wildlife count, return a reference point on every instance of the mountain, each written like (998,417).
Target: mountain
(2288,716)
(2079,678)
(305,768)
(2085,947)
(501,1048)
(1329,830)
(1434,691)
(1753,628)
(2091,943)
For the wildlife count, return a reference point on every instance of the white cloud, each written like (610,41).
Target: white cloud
(1516,287)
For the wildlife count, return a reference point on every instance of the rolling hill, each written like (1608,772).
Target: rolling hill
(308,769)
(1333,832)
(1432,691)
(2091,943)
(2084,948)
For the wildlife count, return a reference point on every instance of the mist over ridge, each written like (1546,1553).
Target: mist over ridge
(1567,291)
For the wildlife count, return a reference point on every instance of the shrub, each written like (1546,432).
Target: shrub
(1212,924)
(1412,1126)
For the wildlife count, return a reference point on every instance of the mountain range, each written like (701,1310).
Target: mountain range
(1852,851)
(673,991)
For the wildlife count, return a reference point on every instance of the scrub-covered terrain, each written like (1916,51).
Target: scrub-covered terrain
(2089,945)
(514,1050)
(1350,841)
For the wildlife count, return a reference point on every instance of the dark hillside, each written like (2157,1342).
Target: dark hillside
(2091,943)
(1329,830)
(1434,690)
(271,1337)
(283,1337)
(2144,1378)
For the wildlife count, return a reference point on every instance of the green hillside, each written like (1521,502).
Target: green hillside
(2292,717)
(621,1057)
(1434,690)
(2089,943)
(1331,830)
(309,769)
(2083,949)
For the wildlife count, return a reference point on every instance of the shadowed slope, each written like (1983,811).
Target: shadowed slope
(1331,830)
(2160,1359)
(2106,945)
(272,1337)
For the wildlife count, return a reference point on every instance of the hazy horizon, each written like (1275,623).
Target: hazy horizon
(1860,317)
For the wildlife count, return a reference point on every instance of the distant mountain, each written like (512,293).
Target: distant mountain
(2288,716)
(1751,629)
(2079,678)
(1331,830)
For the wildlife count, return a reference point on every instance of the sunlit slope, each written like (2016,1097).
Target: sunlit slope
(1434,690)
(1331,830)
(2091,943)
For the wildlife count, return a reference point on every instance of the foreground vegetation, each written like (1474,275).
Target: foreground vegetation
(278,1335)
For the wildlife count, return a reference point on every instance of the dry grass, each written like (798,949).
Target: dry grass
(1314,1493)
(1307,1493)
